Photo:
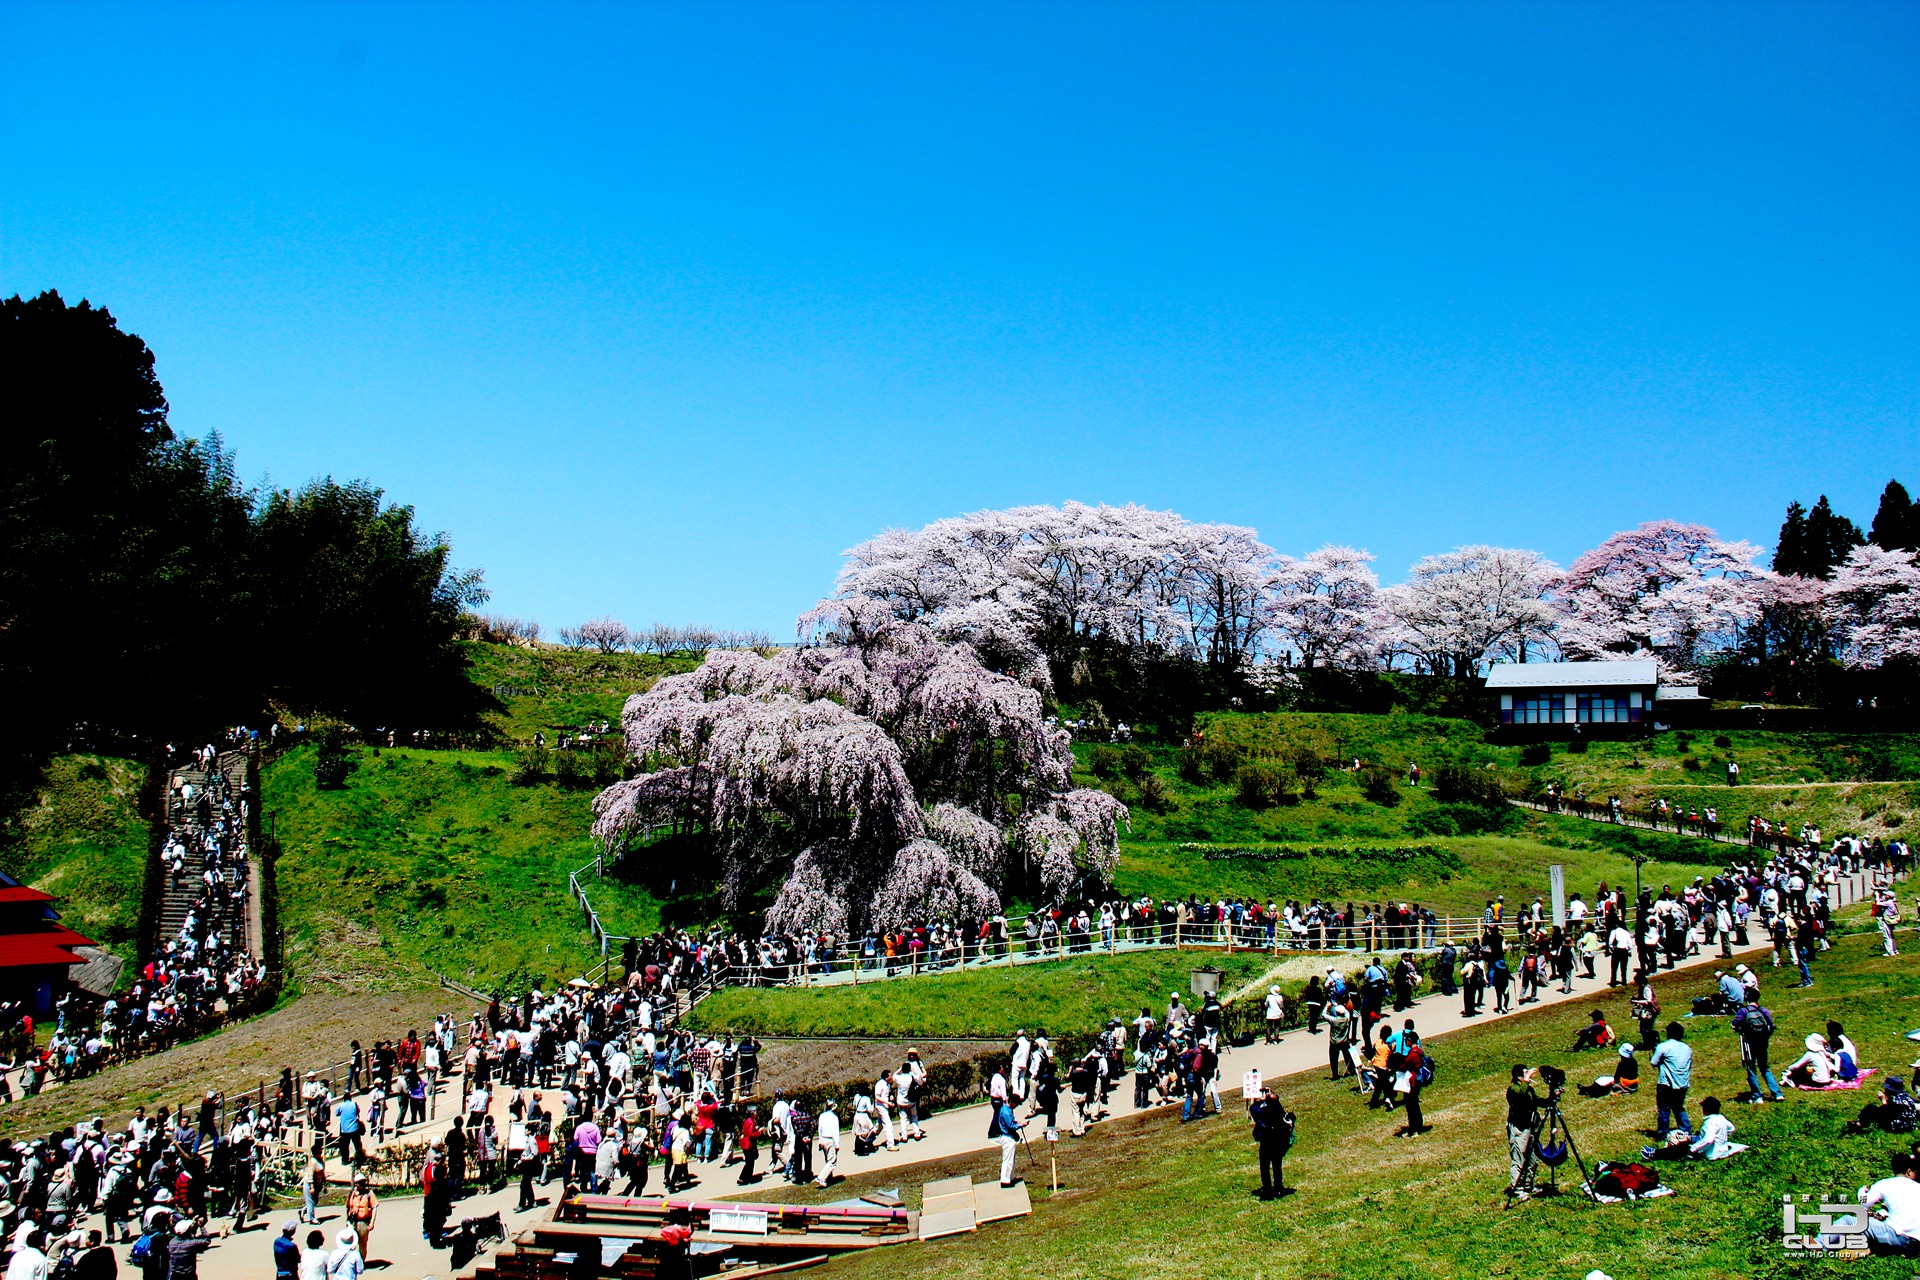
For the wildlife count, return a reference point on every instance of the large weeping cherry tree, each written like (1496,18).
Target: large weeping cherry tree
(885,776)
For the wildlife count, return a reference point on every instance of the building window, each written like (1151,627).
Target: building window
(1539,711)
(1603,710)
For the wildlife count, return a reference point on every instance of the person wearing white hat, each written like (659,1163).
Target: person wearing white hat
(345,1262)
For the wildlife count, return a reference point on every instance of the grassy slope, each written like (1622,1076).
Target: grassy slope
(81,838)
(1154,1200)
(434,860)
(547,689)
(1073,994)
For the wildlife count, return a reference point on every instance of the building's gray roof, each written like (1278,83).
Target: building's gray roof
(1679,693)
(100,973)
(1573,675)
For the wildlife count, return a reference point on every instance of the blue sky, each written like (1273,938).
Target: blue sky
(657,308)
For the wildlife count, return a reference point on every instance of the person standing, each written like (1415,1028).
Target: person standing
(286,1253)
(1754,1025)
(1005,1130)
(1673,1061)
(1413,1067)
(1522,1105)
(1273,1127)
(749,1145)
(1276,1012)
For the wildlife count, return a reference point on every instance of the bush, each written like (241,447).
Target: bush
(1155,797)
(1682,743)
(1263,785)
(1222,760)
(1378,785)
(331,766)
(1577,747)
(1104,762)
(532,765)
(568,770)
(1307,764)
(1722,741)
(1434,822)
(607,768)
(1691,764)
(1535,754)
(1134,761)
(1459,784)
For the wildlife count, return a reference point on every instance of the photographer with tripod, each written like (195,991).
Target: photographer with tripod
(1523,1106)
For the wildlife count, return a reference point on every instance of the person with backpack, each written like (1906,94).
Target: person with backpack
(1273,1129)
(1755,1026)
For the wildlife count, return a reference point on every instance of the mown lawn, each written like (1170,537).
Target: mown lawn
(435,862)
(1076,994)
(1150,1199)
(1512,865)
(80,837)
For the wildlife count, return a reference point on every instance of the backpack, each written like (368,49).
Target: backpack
(1760,1022)
(1424,1076)
(1626,1181)
(142,1251)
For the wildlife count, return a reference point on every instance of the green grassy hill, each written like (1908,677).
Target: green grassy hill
(78,835)
(435,862)
(1153,1199)
(547,689)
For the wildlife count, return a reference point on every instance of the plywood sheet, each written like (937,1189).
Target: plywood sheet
(953,1223)
(948,1204)
(993,1202)
(946,1187)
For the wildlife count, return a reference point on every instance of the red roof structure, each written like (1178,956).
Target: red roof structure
(50,943)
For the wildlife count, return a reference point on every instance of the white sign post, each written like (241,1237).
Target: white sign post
(1557,877)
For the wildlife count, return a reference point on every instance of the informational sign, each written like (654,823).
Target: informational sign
(1557,877)
(746,1222)
(1250,1083)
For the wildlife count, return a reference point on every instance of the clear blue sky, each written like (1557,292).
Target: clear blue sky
(657,308)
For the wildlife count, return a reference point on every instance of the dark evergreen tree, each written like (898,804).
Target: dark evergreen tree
(1790,552)
(1813,542)
(1896,525)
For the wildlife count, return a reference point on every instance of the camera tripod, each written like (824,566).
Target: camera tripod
(1550,1122)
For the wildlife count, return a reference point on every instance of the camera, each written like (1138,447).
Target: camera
(1554,1078)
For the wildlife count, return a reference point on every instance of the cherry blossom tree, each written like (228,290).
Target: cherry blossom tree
(1464,607)
(604,634)
(1668,589)
(1323,605)
(877,774)
(1874,601)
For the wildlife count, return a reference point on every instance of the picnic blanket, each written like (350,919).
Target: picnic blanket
(1733,1149)
(1654,1194)
(1837,1084)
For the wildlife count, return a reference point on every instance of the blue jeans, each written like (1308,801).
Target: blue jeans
(1671,1101)
(1754,1075)
(1884,1239)
(1806,974)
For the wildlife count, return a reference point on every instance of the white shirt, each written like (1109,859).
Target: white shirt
(829,1127)
(313,1264)
(1275,1009)
(1715,1132)
(28,1264)
(1901,1195)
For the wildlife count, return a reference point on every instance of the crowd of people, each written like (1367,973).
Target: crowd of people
(202,969)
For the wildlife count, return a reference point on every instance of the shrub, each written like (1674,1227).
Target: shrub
(1682,743)
(331,763)
(1377,785)
(1535,754)
(1263,785)
(1577,747)
(1104,762)
(1722,741)
(1691,764)
(1134,761)
(1459,784)
(1222,760)
(532,765)
(607,768)
(1434,822)
(1307,764)
(568,769)
(1155,797)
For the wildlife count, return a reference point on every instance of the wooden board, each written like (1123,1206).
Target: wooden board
(993,1202)
(945,1187)
(958,1201)
(935,1225)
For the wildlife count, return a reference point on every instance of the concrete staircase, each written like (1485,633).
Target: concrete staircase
(178,894)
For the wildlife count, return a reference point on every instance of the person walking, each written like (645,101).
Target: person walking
(1273,1128)
(829,1129)
(1412,1079)
(362,1207)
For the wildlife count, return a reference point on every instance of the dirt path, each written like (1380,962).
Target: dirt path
(308,1034)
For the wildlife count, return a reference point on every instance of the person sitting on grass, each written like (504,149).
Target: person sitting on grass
(1595,1035)
(1899,1232)
(1897,1111)
(1814,1068)
(1712,1142)
(1846,1055)
(1625,1077)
